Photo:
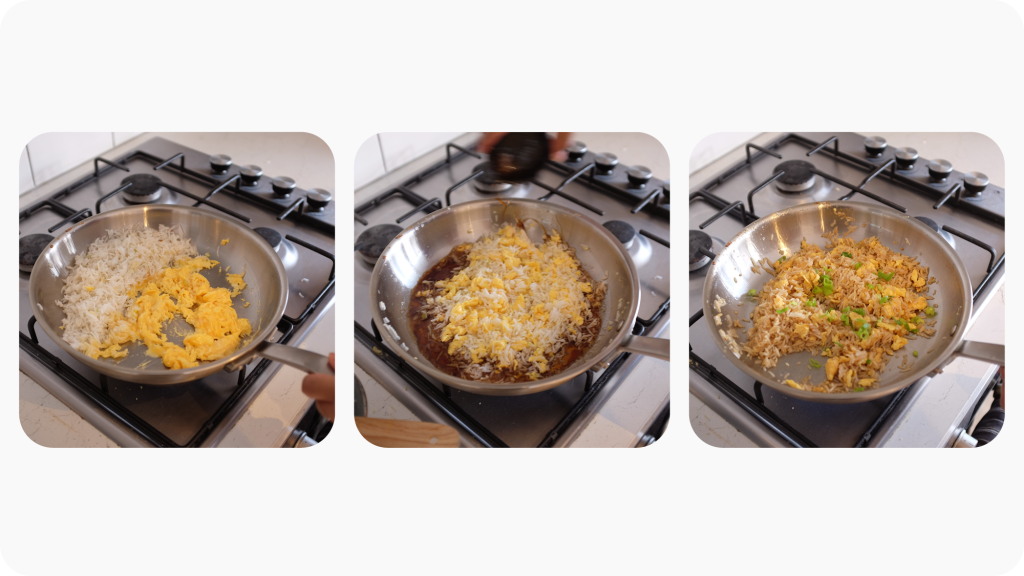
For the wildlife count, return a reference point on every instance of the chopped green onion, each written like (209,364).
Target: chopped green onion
(826,284)
(868,362)
(913,330)
(847,309)
(846,319)
(752,292)
(864,331)
(916,319)
(903,323)
(783,311)
(885,276)
(814,363)
(861,389)
(811,303)
(848,255)
(783,259)
(915,353)
(817,290)
(883,299)
(857,265)
(859,311)
(929,311)
(869,286)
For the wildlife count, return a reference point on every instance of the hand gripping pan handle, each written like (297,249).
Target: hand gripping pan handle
(304,360)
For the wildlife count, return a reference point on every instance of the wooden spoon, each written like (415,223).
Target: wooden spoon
(406,434)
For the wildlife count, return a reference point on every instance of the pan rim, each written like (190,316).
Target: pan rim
(167,377)
(516,388)
(847,397)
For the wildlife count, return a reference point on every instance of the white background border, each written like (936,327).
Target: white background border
(679,71)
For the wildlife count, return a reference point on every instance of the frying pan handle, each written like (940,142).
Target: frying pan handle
(304,360)
(991,353)
(656,347)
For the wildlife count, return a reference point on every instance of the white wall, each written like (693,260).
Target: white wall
(50,155)
(384,152)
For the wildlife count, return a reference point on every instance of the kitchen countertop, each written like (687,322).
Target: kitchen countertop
(604,431)
(270,418)
(969,152)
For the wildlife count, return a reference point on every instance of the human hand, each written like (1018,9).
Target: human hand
(556,145)
(320,387)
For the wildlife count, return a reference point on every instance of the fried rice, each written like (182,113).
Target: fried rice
(854,303)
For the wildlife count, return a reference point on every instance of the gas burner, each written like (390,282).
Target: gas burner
(372,242)
(145,188)
(30,247)
(934,226)
(488,182)
(798,176)
(285,250)
(622,231)
(273,237)
(699,241)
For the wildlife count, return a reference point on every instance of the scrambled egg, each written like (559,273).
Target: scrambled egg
(183,290)
(515,305)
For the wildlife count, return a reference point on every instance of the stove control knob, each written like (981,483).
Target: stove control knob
(220,163)
(638,176)
(905,158)
(576,151)
(318,199)
(606,163)
(874,145)
(283,186)
(939,170)
(250,174)
(974,183)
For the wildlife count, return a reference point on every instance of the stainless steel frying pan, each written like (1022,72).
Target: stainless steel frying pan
(779,234)
(419,247)
(266,290)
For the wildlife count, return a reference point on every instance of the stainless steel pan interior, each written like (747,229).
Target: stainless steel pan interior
(779,234)
(418,248)
(265,277)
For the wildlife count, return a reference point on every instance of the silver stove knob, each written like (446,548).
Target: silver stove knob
(576,151)
(940,169)
(606,163)
(282,186)
(874,145)
(905,158)
(974,183)
(220,163)
(638,175)
(250,174)
(318,199)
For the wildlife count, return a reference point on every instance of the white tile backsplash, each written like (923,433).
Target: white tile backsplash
(400,148)
(369,162)
(716,145)
(54,153)
(122,137)
(25,182)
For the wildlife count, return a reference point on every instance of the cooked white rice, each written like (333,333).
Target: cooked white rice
(105,278)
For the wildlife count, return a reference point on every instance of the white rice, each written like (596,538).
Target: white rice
(116,267)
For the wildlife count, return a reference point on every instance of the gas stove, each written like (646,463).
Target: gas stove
(964,207)
(298,223)
(629,397)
